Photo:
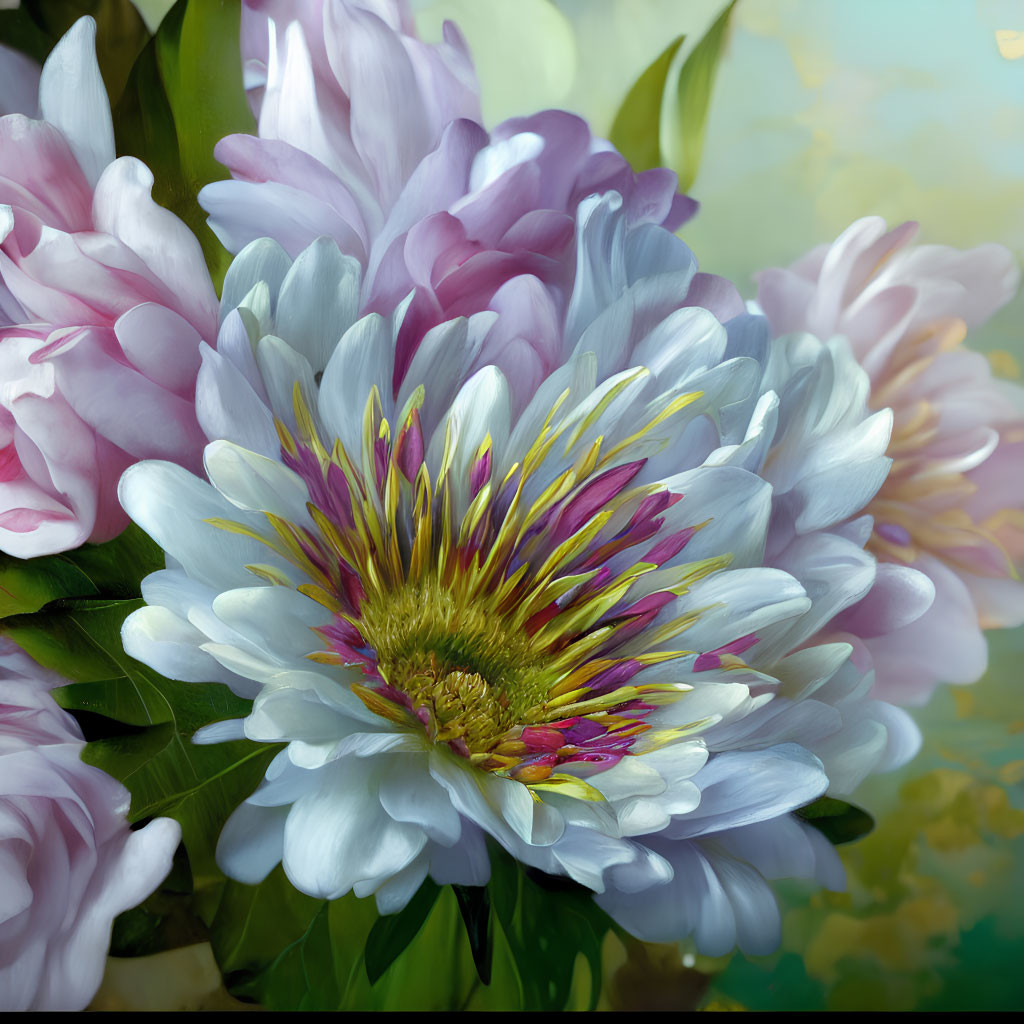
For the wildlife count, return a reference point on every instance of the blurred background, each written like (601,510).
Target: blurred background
(825,111)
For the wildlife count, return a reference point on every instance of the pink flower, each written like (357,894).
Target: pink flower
(69,864)
(104,299)
(952,506)
(19,82)
(372,137)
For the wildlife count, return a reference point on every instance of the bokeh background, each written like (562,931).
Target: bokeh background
(824,111)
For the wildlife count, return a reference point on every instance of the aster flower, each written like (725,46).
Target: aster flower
(952,506)
(474,607)
(104,297)
(68,862)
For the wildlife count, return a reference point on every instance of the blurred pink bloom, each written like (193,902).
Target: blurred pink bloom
(372,137)
(19,82)
(953,503)
(69,864)
(104,298)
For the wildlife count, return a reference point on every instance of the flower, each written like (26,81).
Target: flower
(953,505)
(104,297)
(372,137)
(68,862)
(476,607)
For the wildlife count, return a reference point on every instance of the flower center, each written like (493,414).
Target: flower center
(505,618)
(466,676)
(459,708)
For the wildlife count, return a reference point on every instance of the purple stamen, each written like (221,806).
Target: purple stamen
(893,533)
(593,498)
(480,473)
(409,450)
(712,659)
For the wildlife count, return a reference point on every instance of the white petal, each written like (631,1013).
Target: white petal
(171,505)
(282,367)
(739,787)
(586,856)
(318,301)
(72,97)
(294,715)
(501,806)
(363,359)
(340,834)
(467,862)
(754,911)
(481,410)
(409,793)
(171,645)
(220,732)
(228,407)
(440,363)
(252,842)
(275,619)
(263,260)
(631,777)
(395,893)
(255,483)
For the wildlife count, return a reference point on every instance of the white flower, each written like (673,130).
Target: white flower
(540,615)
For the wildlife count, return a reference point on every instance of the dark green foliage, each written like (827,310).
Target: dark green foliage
(546,929)
(838,821)
(111,570)
(475,907)
(184,94)
(391,934)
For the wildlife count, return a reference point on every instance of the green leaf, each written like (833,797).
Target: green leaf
(636,130)
(838,821)
(392,933)
(684,109)
(274,947)
(184,94)
(475,907)
(302,977)
(547,922)
(322,964)
(166,920)
(114,569)
(436,971)
(28,584)
(117,567)
(253,924)
(155,758)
